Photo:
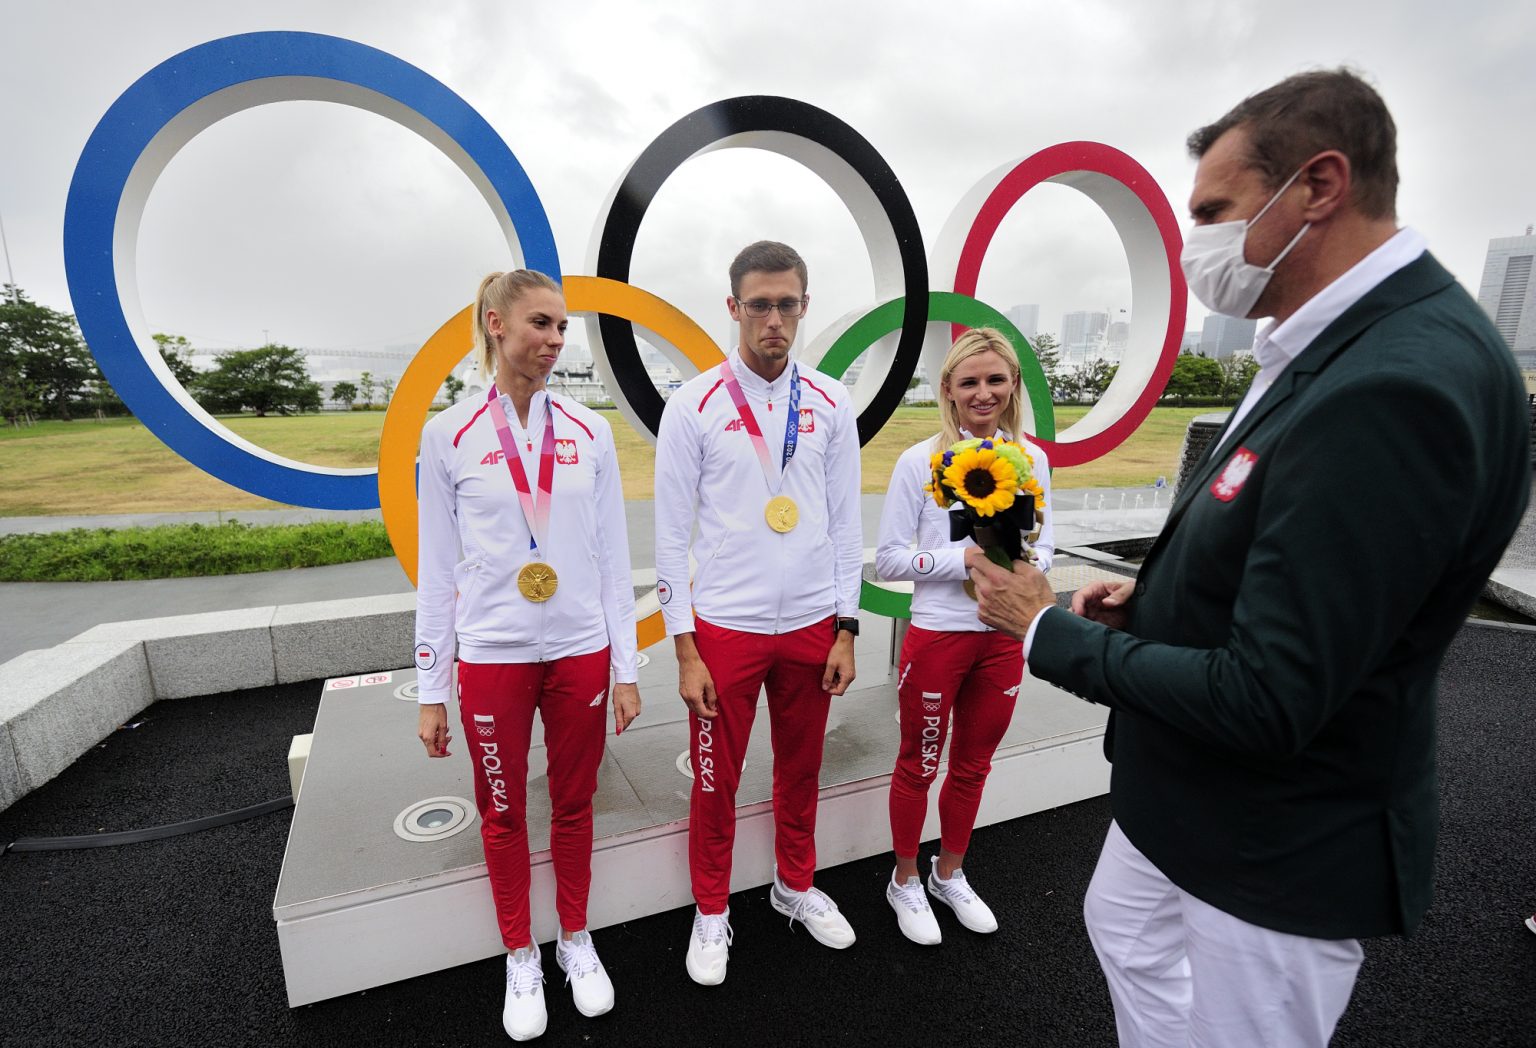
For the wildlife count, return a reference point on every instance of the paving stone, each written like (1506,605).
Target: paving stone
(334,638)
(59,702)
(202,654)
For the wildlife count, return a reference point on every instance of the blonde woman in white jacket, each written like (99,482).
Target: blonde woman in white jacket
(958,677)
(524,574)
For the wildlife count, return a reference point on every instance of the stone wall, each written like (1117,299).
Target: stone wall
(1532,401)
(1202,430)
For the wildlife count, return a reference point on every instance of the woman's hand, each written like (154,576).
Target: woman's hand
(626,706)
(432,729)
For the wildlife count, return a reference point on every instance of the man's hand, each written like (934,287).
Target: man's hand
(694,683)
(1104,602)
(626,706)
(432,729)
(839,672)
(1010,600)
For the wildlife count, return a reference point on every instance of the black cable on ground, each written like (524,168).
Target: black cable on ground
(148,833)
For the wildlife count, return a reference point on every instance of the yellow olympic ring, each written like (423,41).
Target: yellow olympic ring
(400,441)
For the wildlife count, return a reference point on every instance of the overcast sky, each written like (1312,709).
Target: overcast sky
(326,227)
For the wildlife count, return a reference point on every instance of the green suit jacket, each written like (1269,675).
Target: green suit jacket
(1273,695)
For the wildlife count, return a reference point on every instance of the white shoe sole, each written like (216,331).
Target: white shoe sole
(701,979)
(937,940)
(964,923)
(604,1010)
(788,912)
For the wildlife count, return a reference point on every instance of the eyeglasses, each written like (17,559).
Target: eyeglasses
(758,308)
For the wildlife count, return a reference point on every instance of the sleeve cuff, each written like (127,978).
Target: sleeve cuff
(1029,635)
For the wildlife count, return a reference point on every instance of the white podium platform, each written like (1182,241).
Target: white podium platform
(358,905)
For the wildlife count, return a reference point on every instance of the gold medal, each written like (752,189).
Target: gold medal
(537,582)
(782,513)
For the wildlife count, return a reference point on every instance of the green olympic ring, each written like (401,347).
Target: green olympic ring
(957,309)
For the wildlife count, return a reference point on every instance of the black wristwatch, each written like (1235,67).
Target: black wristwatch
(849,624)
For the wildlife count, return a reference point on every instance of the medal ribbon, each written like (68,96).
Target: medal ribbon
(536,513)
(791,424)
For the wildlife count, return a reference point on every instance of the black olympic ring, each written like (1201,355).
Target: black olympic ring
(713,124)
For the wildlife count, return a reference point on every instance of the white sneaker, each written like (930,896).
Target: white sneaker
(913,914)
(813,909)
(523,1015)
(709,947)
(956,893)
(591,988)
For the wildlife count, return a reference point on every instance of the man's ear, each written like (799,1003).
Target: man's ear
(1327,179)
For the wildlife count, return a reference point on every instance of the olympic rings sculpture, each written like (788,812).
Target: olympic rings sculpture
(169,105)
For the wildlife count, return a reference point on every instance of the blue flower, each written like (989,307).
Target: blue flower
(987,444)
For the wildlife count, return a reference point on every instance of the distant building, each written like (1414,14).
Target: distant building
(1190,343)
(1221,336)
(1082,334)
(1508,293)
(1026,319)
(1117,338)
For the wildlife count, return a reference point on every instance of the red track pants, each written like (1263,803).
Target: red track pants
(791,666)
(974,677)
(497,702)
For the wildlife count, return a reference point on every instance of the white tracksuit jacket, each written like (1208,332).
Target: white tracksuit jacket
(749,577)
(936,566)
(474,540)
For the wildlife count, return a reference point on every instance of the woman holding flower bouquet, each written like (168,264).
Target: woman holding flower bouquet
(977,489)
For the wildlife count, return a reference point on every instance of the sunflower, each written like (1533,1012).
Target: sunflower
(936,487)
(984,480)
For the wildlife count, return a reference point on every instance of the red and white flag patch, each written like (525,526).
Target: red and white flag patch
(565,452)
(1236,474)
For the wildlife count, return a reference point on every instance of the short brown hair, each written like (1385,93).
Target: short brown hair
(1307,113)
(767,256)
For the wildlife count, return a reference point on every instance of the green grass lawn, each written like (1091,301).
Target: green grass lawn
(118,466)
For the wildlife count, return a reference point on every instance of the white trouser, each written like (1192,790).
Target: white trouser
(1183,973)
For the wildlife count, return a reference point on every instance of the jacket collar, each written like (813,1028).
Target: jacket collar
(1419,279)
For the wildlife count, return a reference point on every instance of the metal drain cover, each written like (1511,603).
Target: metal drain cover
(434,819)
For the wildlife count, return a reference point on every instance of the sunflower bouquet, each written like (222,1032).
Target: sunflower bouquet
(1000,504)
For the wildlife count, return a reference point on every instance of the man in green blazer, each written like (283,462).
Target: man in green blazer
(1272,670)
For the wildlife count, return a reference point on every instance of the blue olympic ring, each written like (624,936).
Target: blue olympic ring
(166,108)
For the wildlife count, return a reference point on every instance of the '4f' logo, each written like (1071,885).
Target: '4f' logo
(493,457)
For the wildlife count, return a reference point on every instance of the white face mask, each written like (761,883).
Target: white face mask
(1216,270)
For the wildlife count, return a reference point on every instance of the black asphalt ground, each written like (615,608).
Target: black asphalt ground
(172,942)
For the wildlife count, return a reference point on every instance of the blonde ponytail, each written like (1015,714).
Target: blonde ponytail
(500,291)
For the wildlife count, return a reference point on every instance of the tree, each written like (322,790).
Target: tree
(365,383)
(176,351)
(386,389)
(272,378)
(1093,379)
(344,393)
(1237,372)
(45,366)
(1194,376)
(1048,353)
(453,385)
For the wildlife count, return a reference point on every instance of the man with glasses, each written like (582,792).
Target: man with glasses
(761,454)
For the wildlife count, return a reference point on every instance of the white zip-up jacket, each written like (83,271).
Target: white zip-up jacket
(474,540)
(914,544)
(749,577)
